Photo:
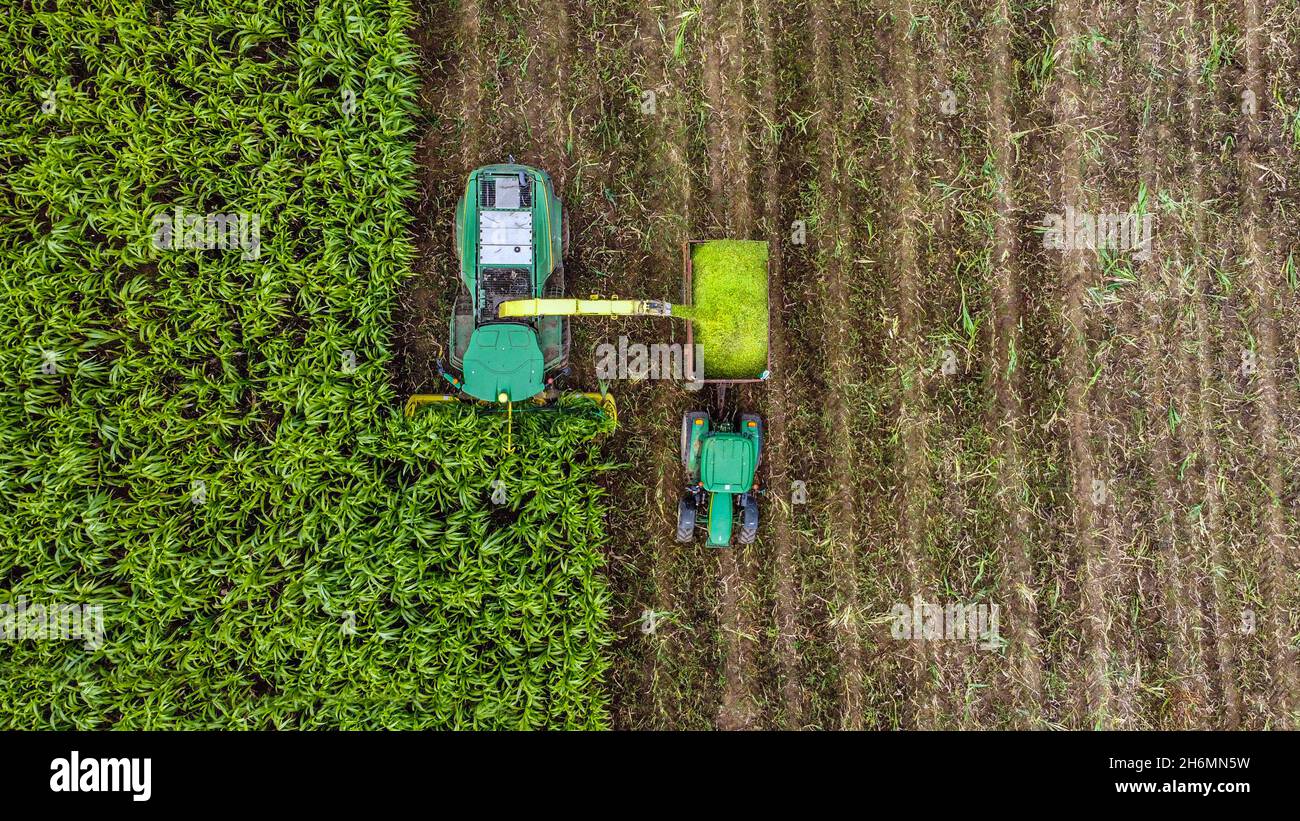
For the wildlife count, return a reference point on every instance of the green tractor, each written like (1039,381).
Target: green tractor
(720,459)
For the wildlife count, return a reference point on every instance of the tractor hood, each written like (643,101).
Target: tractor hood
(503,358)
(727,462)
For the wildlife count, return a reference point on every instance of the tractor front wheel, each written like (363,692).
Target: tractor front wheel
(748,518)
(686,520)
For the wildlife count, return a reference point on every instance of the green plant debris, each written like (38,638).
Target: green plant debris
(731,311)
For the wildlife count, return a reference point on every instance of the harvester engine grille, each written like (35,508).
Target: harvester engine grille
(499,285)
(505,191)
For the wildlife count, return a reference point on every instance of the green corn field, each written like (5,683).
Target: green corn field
(203,441)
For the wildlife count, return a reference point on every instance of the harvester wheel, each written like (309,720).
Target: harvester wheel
(748,518)
(686,520)
(555,284)
(564,233)
(462,327)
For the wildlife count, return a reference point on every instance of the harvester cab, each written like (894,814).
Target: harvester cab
(720,458)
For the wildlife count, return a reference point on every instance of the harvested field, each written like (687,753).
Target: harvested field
(1102,441)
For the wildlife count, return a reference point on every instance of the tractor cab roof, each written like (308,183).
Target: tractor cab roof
(727,462)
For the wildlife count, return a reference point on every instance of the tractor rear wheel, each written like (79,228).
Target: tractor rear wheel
(748,518)
(686,520)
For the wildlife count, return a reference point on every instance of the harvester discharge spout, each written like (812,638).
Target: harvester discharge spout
(583,307)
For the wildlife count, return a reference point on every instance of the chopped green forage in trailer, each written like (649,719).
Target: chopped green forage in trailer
(730,309)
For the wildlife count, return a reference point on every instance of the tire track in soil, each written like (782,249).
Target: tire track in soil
(1185,277)
(800,314)
(906,359)
(1113,327)
(780,545)
(838,366)
(1261,262)
(1178,601)
(1019,588)
(1139,339)
(728,162)
(957,275)
(546,90)
(1233,317)
(609,244)
(1074,271)
(936,398)
(1199,366)
(674,662)
(663,600)
(469,29)
(1235,413)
